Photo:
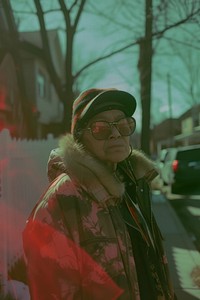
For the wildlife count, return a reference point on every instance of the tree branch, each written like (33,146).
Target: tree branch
(66,13)
(73,4)
(79,14)
(161,32)
(46,48)
(157,35)
(105,57)
(183,43)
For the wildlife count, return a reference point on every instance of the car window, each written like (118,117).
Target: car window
(162,155)
(192,154)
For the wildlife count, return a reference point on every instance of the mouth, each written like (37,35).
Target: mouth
(115,146)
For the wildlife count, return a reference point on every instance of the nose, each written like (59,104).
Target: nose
(114,132)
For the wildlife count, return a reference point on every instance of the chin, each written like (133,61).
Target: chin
(116,158)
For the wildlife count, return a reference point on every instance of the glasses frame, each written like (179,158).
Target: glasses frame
(111,124)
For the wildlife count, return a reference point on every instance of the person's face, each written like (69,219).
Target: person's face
(113,149)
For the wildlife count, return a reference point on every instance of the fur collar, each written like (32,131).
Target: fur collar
(92,174)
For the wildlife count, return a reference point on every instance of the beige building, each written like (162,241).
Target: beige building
(190,127)
(182,131)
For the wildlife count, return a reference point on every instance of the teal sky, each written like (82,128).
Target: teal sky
(110,25)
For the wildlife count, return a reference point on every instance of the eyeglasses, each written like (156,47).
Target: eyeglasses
(101,130)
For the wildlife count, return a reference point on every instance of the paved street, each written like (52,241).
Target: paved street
(188,210)
(187,207)
(183,257)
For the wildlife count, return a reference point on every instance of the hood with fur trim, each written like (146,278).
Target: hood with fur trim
(89,172)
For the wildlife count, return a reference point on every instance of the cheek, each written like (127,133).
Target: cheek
(121,153)
(93,146)
(96,149)
(127,144)
(127,149)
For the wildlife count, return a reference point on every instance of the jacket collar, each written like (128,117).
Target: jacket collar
(93,175)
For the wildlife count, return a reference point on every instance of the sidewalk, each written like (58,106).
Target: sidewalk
(184,259)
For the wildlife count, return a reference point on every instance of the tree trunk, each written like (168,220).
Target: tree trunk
(145,69)
(69,94)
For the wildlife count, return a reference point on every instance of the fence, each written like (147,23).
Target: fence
(23,178)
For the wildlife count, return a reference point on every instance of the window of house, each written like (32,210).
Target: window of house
(41,84)
(198,119)
(187,125)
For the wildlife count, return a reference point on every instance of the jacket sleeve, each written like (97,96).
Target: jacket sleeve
(55,165)
(57,268)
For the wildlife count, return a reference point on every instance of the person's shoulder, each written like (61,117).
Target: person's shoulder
(142,165)
(62,188)
(63,185)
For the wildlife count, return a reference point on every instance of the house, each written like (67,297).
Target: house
(190,127)
(162,135)
(182,131)
(29,104)
(39,88)
(11,112)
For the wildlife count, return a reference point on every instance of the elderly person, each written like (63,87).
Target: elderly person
(92,235)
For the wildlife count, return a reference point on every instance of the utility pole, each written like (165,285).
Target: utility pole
(171,131)
(169,95)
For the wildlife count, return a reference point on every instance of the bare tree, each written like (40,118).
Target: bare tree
(164,16)
(65,93)
(154,31)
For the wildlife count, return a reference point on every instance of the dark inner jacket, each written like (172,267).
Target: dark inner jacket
(144,233)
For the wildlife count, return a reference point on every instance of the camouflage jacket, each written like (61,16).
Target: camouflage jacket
(77,243)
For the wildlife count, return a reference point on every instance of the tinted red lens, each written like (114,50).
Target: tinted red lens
(101,130)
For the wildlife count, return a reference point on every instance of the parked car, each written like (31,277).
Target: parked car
(181,168)
(161,158)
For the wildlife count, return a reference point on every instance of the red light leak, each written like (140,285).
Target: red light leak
(20,187)
(11,223)
(69,266)
(13,215)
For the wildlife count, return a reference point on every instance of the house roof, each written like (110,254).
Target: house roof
(32,40)
(193,110)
